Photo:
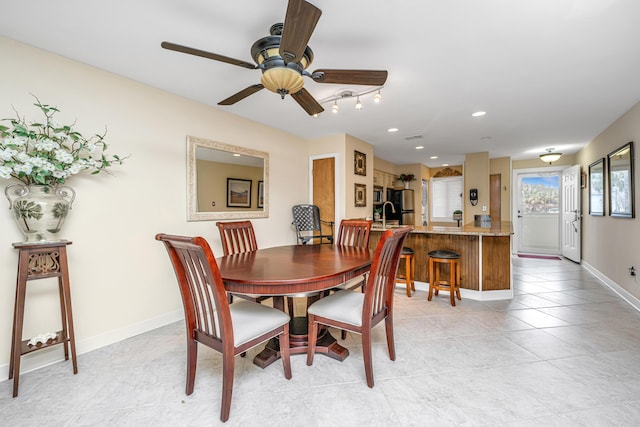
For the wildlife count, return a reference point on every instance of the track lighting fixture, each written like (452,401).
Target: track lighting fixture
(352,94)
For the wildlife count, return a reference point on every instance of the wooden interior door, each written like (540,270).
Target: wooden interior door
(495,196)
(324,190)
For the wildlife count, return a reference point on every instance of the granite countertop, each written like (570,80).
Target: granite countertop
(504,228)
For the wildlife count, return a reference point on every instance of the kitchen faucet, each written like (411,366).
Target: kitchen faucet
(384,214)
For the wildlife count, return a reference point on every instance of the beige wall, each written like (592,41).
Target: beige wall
(351,211)
(565,160)
(121,279)
(611,245)
(476,175)
(386,166)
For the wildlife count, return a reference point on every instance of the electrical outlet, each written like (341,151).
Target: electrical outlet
(632,271)
(484,208)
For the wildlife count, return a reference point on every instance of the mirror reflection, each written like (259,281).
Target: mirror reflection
(621,182)
(226,181)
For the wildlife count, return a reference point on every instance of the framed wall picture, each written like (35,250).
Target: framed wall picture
(260,194)
(360,196)
(620,182)
(359,163)
(238,193)
(596,188)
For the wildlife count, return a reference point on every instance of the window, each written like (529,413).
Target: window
(446,197)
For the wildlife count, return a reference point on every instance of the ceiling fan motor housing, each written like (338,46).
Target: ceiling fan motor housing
(277,75)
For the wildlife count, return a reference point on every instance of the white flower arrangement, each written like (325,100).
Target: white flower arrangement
(48,153)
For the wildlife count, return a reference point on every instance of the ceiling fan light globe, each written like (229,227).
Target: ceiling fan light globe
(282,79)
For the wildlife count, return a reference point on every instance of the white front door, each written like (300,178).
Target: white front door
(571,213)
(538,212)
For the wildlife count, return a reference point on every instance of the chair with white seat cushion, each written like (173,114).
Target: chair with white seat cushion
(353,233)
(358,312)
(210,320)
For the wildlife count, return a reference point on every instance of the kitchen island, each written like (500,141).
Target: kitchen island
(485,253)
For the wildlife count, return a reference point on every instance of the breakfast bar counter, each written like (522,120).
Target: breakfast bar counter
(485,252)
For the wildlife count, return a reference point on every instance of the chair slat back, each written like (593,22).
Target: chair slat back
(378,295)
(203,295)
(237,237)
(354,232)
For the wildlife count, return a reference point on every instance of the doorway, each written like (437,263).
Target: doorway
(538,212)
(323,193)
(547,211)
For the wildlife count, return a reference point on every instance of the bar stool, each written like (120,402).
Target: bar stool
(436,258)
(408,254)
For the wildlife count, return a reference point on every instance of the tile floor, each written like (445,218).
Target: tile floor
(565,351)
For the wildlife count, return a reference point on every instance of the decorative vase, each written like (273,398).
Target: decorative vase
(40,210)
(406,185)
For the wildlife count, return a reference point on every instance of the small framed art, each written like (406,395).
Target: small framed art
(238,193)
(359,163)
(360,196)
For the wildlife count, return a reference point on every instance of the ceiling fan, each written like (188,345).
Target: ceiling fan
(283,58)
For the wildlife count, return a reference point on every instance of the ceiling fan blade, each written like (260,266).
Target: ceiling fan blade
(208,55)
(352,77)
(308,102)
(299,23)
(241,95)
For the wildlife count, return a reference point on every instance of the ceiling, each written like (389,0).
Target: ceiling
(548,73)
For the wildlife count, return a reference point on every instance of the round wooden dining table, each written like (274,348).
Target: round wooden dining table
(292,270)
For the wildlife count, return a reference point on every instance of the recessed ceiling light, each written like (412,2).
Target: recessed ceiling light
(445,164)
(419,147)
(433,157)
(236,155)
(479,113)
(392,130)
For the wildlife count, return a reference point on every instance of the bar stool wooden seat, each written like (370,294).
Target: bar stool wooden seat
(408,255)
(451,258)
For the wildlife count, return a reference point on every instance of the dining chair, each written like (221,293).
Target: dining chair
(353,233)
(238,237)
(308,225)
(210,320)
(358,312)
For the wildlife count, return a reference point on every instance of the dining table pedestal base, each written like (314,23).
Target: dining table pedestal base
(299,343)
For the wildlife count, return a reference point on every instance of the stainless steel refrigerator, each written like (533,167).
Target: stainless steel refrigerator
(403,202)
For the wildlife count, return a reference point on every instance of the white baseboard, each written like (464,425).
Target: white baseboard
(624,294)
(55,354)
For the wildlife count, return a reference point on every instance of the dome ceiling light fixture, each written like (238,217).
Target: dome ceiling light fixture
(550,156)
